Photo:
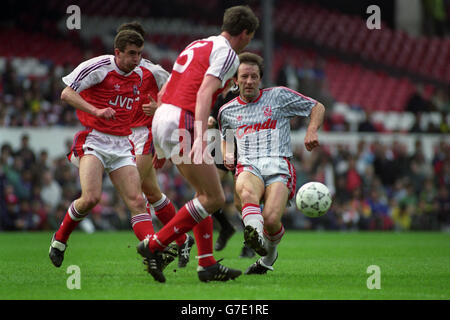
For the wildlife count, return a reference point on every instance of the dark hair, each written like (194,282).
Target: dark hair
(252,58)
(239,18)
(134,26)
(126,37)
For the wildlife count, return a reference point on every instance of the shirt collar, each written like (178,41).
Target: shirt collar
(254,101)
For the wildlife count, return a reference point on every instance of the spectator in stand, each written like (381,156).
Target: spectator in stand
(8,217)
(381,219)
(353,179)
(401,216)
(51,191)
(368,124)
(417,101)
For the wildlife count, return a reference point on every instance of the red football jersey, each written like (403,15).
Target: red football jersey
(101,83)
(154,77)
(213,56)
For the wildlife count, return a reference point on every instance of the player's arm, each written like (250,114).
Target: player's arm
(316,120)
(161,92)
(228,153)
(208,87)
(74,99)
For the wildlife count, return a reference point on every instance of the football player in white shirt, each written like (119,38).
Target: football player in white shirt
(260,121)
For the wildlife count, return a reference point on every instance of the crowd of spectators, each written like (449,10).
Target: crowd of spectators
(378,187)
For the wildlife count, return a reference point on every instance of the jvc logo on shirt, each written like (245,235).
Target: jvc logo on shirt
(122,102)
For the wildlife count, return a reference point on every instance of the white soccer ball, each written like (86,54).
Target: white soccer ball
(313,199)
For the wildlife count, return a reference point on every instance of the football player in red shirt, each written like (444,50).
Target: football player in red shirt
(154,77)
(104,90)
(199,74)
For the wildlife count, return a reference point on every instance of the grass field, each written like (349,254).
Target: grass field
(311,265)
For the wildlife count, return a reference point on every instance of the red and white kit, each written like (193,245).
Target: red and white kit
(154,77)
(211,56)
(101,83)
(263,134)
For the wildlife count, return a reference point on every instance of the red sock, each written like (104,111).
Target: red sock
(203,233)
(181,223)
(70,222)
(142,226)
(165,211)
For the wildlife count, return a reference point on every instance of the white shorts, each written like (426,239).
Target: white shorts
(172,130)
(271,170)
(113,151)
(142,140)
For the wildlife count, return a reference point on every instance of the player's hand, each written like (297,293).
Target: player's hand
(150,108)
(311,140)
(158,163)
(228,161)
(107,113)
(211,122)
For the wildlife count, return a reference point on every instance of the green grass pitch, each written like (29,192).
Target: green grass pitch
(311,266)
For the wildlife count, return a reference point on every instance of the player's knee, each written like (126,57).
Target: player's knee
(153,195)
(220,200)
(137,203)
(87,202)
(216,201)
(248,195)
(271,220)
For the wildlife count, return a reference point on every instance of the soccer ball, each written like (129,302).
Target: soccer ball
(313,199)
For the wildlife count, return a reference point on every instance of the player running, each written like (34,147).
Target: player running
(198,75)
(260,122)
(105,91)
(154,77)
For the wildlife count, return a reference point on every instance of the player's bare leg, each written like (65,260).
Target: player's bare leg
(164,209)
(226,228)
(251,189)
(91,178)
(206,182)
(194,215)
(246,251)
(205,179)
(275,199)
(126,180)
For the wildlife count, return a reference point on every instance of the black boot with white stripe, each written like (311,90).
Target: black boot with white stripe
(217,272)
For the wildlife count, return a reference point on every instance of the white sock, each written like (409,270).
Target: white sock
(272,241)
(251,216)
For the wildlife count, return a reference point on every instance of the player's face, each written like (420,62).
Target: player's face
(129,59)
(248,81)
